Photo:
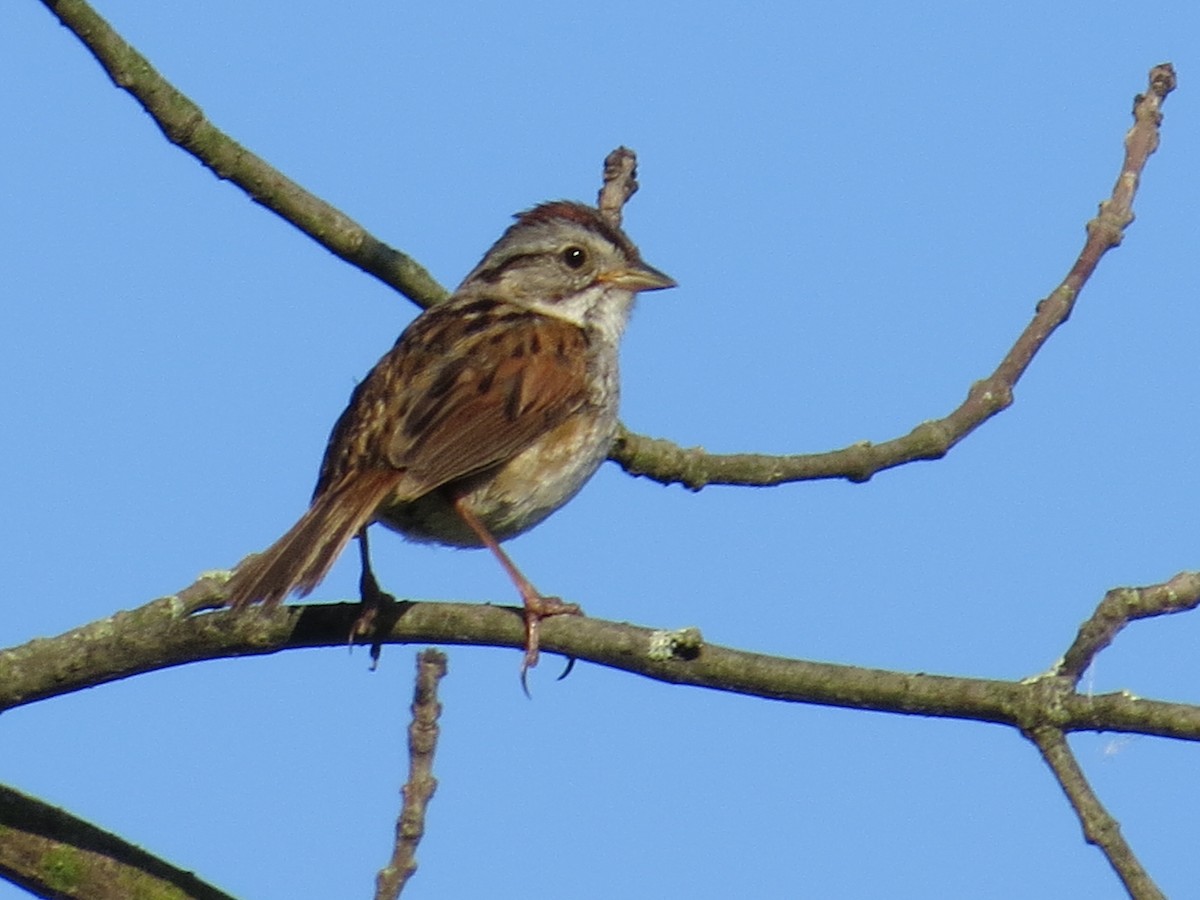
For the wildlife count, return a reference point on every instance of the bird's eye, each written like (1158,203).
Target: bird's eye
(574,257)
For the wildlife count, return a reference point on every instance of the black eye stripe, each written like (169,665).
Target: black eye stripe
(496,272)
(573,257)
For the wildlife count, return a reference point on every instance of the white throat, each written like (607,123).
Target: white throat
(601,308)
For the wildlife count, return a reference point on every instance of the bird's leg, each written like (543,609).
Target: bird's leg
(374,601)
(537,605)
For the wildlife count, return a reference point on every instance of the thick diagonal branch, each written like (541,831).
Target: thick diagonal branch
(51,853)
(185,125)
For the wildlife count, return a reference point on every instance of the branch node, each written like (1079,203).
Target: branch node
(682,643)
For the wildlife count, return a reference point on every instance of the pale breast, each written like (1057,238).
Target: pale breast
(516,495)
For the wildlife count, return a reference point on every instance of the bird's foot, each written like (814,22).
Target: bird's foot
(538,607)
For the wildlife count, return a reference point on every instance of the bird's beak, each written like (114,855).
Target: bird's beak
(639,277)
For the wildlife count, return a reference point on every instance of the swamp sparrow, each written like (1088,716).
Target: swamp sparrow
(490,412)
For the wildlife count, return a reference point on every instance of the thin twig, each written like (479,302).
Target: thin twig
(669,463)
(1099,828)
(418,790)
(1121,606)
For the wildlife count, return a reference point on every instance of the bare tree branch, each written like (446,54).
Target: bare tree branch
(668,463)
(1099,828)
(1121,606)
(418,790)
(163,633)
(183,123)
(51,853)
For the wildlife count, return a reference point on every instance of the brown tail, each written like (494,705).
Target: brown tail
(301,558)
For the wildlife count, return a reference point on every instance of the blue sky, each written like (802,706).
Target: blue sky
(861,202)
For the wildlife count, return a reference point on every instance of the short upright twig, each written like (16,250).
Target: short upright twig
(620,183)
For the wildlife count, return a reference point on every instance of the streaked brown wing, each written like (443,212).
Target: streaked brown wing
(508,382)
